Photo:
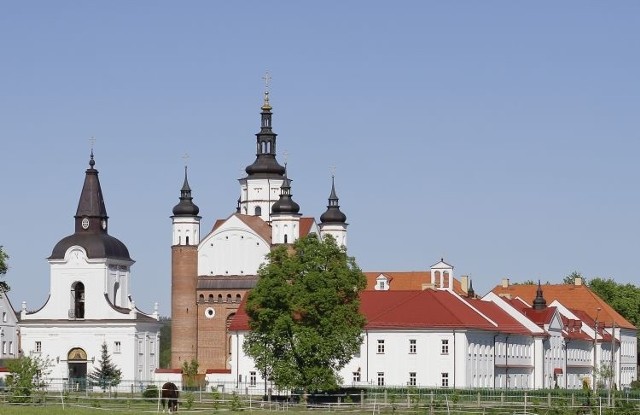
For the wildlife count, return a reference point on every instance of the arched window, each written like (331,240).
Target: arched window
(286,240)
(257,211)
(201,298)
(228,298)
(77,298)
(219,298)
(238,298)
(187,240)
(211,298)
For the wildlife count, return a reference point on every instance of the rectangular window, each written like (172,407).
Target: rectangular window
(152,350)
(140,348)
(38,347)
(4,347)
(380,378)
(10,347)
(412,346)
(116,347)
(380,346)
(252,378)
(445,347)
(445,380)
(4,316)
(412,378)
(356,377)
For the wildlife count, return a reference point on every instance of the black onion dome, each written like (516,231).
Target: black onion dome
(96,246)
(285,204)
(333,214)
(265,164)
(91,222)
(186,207)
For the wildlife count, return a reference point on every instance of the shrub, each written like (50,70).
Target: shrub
(150,393)
(236,404)
(189,398)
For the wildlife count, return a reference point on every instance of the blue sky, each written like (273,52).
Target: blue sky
(502,136)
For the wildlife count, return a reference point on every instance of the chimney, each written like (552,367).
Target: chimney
(505,283)
(464,283)
(577,281)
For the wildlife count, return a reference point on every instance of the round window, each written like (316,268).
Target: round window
(209,312)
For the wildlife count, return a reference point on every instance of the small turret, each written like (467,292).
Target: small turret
(186,207)
(539,303)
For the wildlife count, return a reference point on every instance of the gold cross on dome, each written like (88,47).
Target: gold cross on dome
(92,142)
(332,169)
(185,157)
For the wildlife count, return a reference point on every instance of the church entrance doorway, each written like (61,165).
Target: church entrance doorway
(77,363)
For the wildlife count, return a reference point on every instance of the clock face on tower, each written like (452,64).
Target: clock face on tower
(85,223)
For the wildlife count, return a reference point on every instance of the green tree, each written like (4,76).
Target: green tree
(190,372)
(107,373)
(165,342)
(26,375)
(304,314)
(4,267)
(624,298)
(526,282)
(571,278)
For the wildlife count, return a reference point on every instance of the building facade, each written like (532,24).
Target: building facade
(212,273)
(90,303)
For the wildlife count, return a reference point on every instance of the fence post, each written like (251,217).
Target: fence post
(549,399)
(361,398)
(478,399)
(385,396)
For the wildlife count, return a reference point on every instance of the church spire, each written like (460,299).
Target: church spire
(265,164)
(285,204)
(470,292)
(333,214)
(186,207)
(539,303)
(91,214)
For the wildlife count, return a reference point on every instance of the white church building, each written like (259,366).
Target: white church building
(90,303)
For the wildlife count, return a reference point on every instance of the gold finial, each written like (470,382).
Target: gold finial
(332,170)
(285,156)
(185,157)
(267,81)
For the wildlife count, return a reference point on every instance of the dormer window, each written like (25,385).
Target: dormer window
(382,283)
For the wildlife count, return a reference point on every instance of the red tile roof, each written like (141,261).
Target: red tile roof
(539,317)
(404,309)
(407,280)
(578,297)
(240,321)
(506,323)
(305,226)
(419,309)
